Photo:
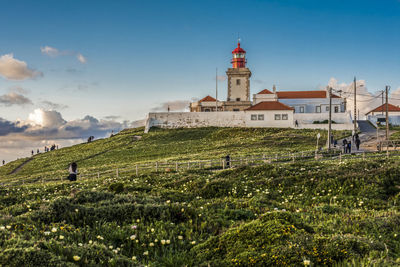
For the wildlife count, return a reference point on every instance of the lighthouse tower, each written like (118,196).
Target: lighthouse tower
(238,82)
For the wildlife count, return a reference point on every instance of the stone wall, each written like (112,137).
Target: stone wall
(195,119)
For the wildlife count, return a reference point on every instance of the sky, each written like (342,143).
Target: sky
(70,69)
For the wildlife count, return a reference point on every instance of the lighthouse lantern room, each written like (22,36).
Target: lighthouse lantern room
(238,57)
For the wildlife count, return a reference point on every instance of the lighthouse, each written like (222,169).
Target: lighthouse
(238,97)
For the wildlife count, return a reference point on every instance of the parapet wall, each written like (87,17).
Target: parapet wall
(195,119)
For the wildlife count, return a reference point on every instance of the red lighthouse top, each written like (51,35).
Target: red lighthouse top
(238,57)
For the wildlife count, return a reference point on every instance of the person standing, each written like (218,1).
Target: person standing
(358,142)
(32,152)
(344,146)
(228,161)
(73,171)
(349,147)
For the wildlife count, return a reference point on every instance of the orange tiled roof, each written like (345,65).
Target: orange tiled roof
(208,99)
(265,91)
(382,108)
(270,105)
(303,94)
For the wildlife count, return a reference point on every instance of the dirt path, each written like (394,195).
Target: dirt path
(19,167)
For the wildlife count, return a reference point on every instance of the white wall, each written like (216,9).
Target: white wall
(269,118)
(334,126)
(393,119)
(238,91)
(309,118)
(195,119)
(310,104)
(243,119)
(217,119)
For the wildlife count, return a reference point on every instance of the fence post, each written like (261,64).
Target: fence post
(223,164)
(137,170)
(176,166)
(364,155)
(293,155)
(156,166)
(188,165)
(117,173)
(340,156)
(98,175)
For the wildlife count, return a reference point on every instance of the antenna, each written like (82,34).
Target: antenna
(216,89)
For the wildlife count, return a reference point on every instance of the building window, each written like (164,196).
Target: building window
(285,117)
(301,109)
(235,109)
(237,81)
(277,117)
(318,109)
(253,117)
(336,109)
(238,99)
(327,108)
(207,110)
(260,117)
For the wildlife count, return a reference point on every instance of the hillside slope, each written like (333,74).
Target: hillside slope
(273,215)
(132,146)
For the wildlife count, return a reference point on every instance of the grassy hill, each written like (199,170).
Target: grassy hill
(322,213)
(132,146)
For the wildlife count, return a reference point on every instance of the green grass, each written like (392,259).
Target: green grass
(329,213)
(272,215)
(124,149)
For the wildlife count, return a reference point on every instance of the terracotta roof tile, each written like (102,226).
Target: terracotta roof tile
(391,108)
(303,94)
(265,91)
(270,105)
(208,99)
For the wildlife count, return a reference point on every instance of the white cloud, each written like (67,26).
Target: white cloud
(46,118)
(176,105)
(51,105)
(51,51)
(14,69)
(54,52)
(81,58)
(47,127)
(14,99)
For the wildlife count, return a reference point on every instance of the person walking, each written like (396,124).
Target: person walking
(349,147)
(4,162)
(344,146)
(73,171)
(358,142)
(296,123)
(32,152)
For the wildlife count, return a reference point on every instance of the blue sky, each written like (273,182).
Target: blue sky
(141,54)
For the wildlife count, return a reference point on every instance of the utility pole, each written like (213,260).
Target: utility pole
(382,102)
(355,105)
(330,119)
(216,89)
(387,112)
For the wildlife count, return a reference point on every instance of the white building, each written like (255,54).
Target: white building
(378,115)
(303,101)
